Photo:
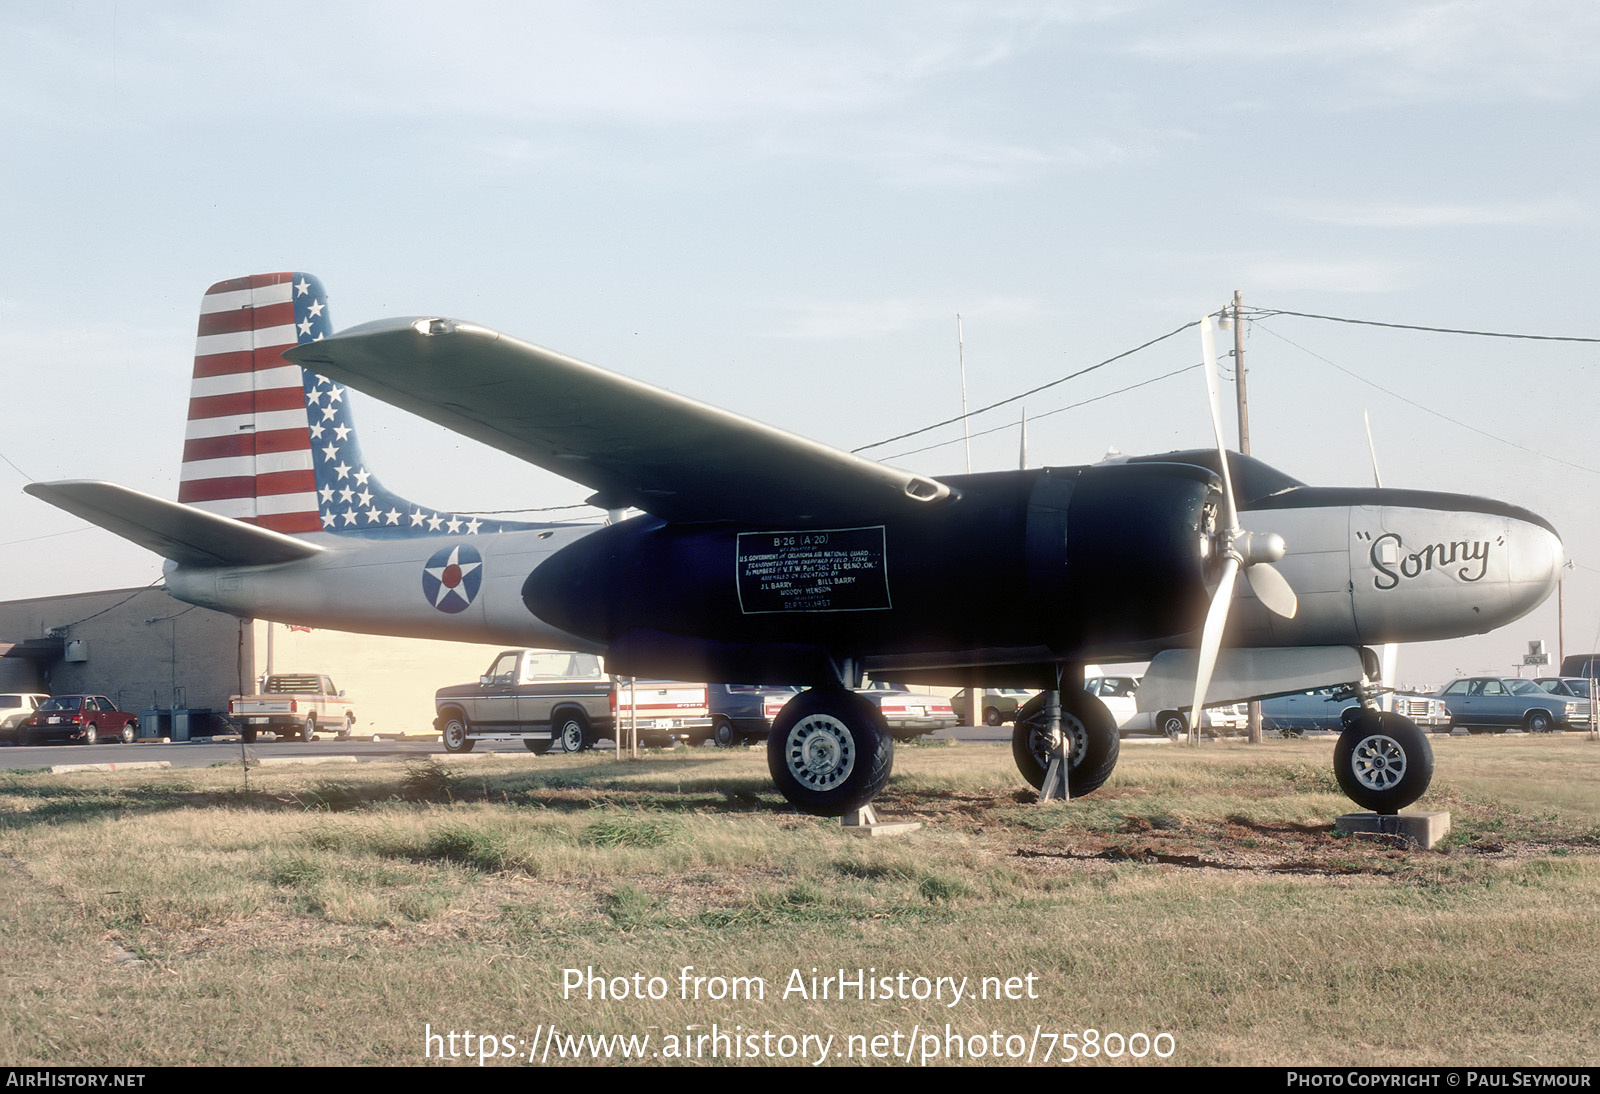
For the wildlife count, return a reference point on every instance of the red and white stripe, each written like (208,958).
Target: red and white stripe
(247,449)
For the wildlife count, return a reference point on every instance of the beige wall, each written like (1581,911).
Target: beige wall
(390,680)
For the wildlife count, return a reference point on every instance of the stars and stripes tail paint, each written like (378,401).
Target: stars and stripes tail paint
(272,444)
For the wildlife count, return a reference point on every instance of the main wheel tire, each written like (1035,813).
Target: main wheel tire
(1538,721)
(248,735)
(127,734)
(830,752)
(991,716)
(453,732)
(537,746)
(91,734)
(1172,725)
(1091,734)
(572,733)
(725,735)
(308,730)
(1383,761)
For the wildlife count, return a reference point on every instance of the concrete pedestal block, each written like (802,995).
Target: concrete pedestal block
(1422,829)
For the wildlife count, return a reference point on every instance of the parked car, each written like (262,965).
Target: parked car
(86,719)
(1327,708)
(17,707)
(1494,704)
(909,713)
(741,713)
(1575,686)
(999,705)
(1119,693)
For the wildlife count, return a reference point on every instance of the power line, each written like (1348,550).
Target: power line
(1267,313)
(1048,413)
(1424,406)
(1030,391)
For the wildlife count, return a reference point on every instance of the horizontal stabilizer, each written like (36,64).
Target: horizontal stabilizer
(636,445)
(186,535)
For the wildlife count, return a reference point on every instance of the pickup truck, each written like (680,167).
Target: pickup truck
(564,699)
(293,704)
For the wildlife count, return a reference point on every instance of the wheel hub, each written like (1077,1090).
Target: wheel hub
(821,752)
(1378,762)
(1076,732)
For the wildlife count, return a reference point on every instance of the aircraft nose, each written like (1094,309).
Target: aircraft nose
(1431,566)
(1536,560)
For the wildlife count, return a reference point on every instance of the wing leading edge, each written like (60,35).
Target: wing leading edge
(634,444)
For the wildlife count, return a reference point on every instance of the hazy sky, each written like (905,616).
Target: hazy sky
(782,208)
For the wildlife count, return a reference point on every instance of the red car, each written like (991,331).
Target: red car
(86,719)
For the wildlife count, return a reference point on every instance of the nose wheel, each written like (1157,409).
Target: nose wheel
(1383,761)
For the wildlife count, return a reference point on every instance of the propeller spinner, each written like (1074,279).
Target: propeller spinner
(1252,552)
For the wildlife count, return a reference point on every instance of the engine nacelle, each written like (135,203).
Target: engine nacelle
(1053,559)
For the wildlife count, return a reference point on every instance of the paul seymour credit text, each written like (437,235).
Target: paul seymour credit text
(917,1042)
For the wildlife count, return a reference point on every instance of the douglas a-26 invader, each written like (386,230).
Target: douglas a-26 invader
(763,556)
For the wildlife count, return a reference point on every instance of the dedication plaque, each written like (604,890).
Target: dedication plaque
(817,570)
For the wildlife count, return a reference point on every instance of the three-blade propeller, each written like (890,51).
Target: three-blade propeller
(1252,552)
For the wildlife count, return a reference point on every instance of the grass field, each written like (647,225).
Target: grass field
(314,917)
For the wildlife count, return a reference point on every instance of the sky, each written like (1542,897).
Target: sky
(781,209)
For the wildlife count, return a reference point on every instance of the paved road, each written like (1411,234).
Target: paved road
(208,751)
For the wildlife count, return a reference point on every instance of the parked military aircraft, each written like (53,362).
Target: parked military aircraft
(761,555)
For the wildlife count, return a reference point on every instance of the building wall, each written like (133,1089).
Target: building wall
(145,649)
(390,680)
(140,647)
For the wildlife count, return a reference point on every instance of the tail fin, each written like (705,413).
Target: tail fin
(272,444)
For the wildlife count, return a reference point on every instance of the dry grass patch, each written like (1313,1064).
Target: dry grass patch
(1203,894)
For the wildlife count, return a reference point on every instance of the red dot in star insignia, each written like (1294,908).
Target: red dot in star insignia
(451,576)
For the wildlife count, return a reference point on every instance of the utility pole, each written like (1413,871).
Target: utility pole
(1254,722)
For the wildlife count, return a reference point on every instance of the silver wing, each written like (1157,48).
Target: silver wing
(634,444)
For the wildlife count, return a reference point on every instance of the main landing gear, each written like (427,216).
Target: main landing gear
(1090,745)
(830,751)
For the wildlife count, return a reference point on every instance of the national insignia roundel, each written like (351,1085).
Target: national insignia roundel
(451,578)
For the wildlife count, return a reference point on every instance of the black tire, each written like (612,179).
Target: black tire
(1538,721)
(128,733)
(991,716)
(725,735)
(1172,725)
(537,746)
(1383,761)
(572,732)
(349,727)
(308,729)
(1091,729)
(830,752)
(91,734)
(248,735)
(453,729)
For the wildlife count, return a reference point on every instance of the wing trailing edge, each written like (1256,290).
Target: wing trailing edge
(186,535)
(634,444)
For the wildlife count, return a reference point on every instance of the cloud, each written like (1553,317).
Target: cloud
(1375,51)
